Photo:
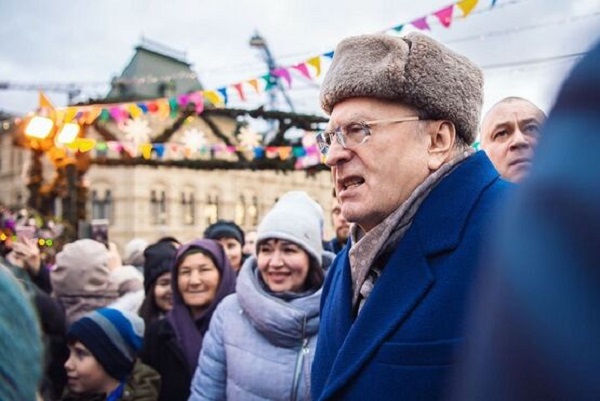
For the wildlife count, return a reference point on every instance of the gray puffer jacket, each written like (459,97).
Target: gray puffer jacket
(258,346)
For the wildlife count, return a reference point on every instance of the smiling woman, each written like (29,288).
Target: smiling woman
(201,277)
(278,294)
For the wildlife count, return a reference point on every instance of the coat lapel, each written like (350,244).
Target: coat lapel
(402,285)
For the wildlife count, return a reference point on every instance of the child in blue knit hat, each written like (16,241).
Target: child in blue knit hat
(103,362)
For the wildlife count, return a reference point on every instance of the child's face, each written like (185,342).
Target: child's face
(84,372)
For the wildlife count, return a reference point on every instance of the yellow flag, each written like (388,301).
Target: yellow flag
(70,114)
(146,150)
(86,144)
(213,97)
(315,62)
(467,6)
(134,111)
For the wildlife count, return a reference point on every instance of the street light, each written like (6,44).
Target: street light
(39,127)
(43,135)
(259,42)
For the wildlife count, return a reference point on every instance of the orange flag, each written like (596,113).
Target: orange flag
(44,102)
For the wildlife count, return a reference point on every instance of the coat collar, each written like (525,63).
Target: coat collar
(407,277)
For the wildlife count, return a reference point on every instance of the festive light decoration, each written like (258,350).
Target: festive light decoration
(137,131)
(248,138)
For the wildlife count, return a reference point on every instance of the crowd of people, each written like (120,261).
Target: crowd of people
(453,273)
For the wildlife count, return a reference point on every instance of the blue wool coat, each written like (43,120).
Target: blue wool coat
(402,346)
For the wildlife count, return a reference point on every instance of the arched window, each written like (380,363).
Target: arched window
(188,207)
(211,212)
(102,204)
(158,207)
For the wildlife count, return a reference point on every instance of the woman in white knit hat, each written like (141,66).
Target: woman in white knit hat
(261,340)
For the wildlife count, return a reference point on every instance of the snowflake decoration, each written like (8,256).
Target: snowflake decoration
(194,139)
(137,131)
(248,138)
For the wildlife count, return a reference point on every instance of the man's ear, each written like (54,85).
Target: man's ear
(442,136)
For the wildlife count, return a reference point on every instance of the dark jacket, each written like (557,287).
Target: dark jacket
(536,326)
(402,345)
(162,352)
(334,246)
(142,385)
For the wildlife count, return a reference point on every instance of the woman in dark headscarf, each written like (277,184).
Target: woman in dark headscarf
(201,278)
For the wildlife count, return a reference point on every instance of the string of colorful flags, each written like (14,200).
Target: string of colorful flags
(311,68)
(306,155)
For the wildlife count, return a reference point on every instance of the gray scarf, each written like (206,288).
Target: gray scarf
(370,251)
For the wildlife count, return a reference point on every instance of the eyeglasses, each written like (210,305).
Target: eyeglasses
(352,134)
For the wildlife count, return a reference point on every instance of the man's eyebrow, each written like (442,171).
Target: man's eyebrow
(530,120)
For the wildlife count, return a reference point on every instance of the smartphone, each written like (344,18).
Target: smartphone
(28,232)
(99,231)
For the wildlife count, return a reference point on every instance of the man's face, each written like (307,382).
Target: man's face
(509,134)
(340,224)
(373,179)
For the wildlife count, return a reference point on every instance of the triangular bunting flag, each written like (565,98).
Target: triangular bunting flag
(467,6)
(254,83)
(93,114)
(134,111)
(146,149)
(70,114)
(445,15)
(163,108)
(240,90)
(285,152)
(159,148)
(303,69)
(223,92)
(315,62)
(44,102)
(173,106)
(259,153)
(104,115)
(328,54)
(85,144)
(198,99)
(398,28)
(421,24)
(283,73)
(213,97)
(270,82)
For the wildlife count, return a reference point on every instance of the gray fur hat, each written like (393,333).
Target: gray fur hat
(415,70)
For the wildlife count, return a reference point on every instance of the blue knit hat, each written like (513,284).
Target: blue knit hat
(114,338)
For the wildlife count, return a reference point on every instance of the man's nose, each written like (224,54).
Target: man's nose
(519,139)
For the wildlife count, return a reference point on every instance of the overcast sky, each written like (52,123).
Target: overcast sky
(524,46)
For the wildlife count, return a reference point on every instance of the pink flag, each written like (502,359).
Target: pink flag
(303,69)
(283,73)
(421,24)
(445,15)
(240,91)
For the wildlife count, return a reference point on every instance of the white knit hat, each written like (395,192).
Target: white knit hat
(296,218)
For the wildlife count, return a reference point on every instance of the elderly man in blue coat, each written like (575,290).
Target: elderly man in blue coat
(404,112)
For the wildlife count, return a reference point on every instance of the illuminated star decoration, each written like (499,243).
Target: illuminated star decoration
(248,138)
(137,131)
(194,139)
